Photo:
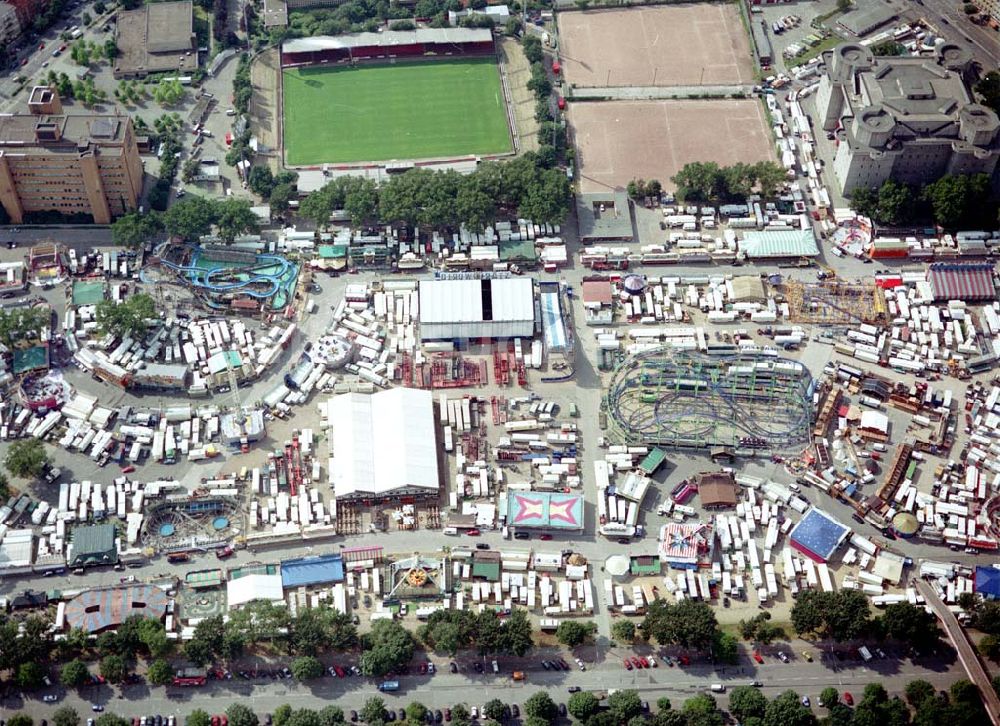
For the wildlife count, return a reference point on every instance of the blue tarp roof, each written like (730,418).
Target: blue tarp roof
(988,582)
(306,571)
(818,533)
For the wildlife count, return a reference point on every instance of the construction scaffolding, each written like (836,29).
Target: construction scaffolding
(834,302)
(671,398)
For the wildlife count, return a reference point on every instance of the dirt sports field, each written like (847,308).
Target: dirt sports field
(685,45)
(620,141)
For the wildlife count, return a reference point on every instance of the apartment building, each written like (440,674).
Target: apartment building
(10,25)
(74,164)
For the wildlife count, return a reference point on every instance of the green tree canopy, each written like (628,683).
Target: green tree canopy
(126,318)
(829,696)
(374,708)
(320,629)
(235,217)
(66,716)
(190,218)
(331,716)
(160,673)
(583,705)
(572,633)
(23,326)
(493,709)
(541,705)
(241,715)
(387,647)
(688,623)
(624,705)
(133,229)
(30,676)
(623,631)
(747,701)
(20,719)
(114,668)
(74,674)
(787,710)
(960,201)
(841,615)
(307,668)
(26,458)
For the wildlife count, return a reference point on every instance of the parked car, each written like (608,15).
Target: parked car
(848,698)
(50,698)
(573,689)
(805,701)
(782,657)
(627,663)
(757,657)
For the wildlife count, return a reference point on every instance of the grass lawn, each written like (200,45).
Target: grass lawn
(394,111)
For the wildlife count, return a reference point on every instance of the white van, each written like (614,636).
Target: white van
(450,531)
(718,688)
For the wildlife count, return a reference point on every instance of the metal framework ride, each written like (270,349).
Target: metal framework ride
(685,399)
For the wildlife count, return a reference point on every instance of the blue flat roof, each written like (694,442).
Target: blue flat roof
(318,570)
(819,533)
(988,581)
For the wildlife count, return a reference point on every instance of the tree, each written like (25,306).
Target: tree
(320,629)
(696,181)
(624,705)
(114,668)
(190,170)
(517,634)
(759,629)
(416,712)
(281,196)
(26,458)
(918,691)
(306,668)
(30,676)
(168,92)
(843,5)
(20,719)
(532,46)
(623,631)
(235,217)
(959,200)
(841,615)
(130,317)
(66,716)
(989,90)
(110,49)
(374,708)
(493,709)
(386,647)
(460,714)
(829,696)
(726,647)
(134,230)
(241,715)
(701,710)
(787,710)
(663,703)
(896,203)
(541,705)
(331,716)
(688,623)
(260,180)
(190,218)
(74,674)
(160,672)
(572,633)
(583,705)
(198,717)
(746,702)
(912,625)
(281,715)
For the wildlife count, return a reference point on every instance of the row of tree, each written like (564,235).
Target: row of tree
(450,631)
(953,202)
(278,189)
(188,219)
(706,181)
(446,199)
(961,705)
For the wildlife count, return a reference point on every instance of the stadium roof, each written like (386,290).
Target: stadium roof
(817,535)
(388,38)
(306,571)
(254,587)
(988,581)
(954,281)
(97,610)
(477,308)
(779,243)
(383,444)
(545,510)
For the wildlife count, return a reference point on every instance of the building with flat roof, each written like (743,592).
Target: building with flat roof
(156,38)
(80,164)
(10,25)
(908,118)
(604,217)
(96,544)
(497,308)
(384,446)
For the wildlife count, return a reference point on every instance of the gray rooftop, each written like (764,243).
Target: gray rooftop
(604,216)
(156,37)
(865,19)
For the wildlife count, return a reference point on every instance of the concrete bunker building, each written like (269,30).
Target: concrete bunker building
(912,119)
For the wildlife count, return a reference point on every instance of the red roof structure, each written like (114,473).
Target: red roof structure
(962,281)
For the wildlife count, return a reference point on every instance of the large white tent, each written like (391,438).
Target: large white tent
(478,308)
(254,587)
(383,445)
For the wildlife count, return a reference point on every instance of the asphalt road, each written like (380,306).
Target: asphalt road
(446,689)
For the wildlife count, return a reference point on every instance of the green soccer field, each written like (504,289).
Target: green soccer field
(401,111)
